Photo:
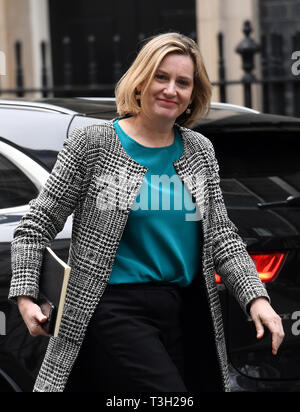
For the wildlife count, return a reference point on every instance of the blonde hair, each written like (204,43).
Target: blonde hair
(144,67)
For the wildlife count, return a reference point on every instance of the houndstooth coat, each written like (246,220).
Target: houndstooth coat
(96,180)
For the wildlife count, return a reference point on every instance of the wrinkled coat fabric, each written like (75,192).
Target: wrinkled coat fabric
(97,181)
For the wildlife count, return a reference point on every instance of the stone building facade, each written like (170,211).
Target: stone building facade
(29,21)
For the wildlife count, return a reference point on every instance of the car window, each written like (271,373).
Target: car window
(258,165)
(15,188)
(39,133)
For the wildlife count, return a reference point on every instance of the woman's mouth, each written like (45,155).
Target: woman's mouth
(167,102)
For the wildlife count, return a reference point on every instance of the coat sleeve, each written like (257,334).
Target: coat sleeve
(47,216)
(231,259)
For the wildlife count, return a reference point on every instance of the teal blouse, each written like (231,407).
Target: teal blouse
(162,237)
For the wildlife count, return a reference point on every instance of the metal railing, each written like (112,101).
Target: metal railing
(274,81)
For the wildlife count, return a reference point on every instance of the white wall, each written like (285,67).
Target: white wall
(40,24)
(28,22)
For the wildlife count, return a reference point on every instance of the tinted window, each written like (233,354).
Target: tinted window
(15,188)
(258,154)
(38,132)
(258,164)
(46,158)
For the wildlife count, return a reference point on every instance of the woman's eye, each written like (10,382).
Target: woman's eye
(161,77)
(184,83)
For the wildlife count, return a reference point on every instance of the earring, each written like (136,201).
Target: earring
(189,109)
(138,97)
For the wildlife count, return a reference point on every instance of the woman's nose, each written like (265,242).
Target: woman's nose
(170,89)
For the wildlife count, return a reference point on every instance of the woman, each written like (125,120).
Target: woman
(138,276)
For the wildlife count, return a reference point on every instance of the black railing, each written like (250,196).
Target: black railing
(275,84)
(67,88)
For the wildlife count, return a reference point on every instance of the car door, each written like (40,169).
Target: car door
(21,180)
(258,158)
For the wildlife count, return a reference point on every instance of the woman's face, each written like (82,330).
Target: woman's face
(170,91)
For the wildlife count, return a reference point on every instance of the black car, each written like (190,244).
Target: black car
(260,179)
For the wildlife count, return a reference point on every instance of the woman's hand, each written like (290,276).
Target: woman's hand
(32,316)
(262,314)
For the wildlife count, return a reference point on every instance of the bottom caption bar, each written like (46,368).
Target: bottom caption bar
(137,401)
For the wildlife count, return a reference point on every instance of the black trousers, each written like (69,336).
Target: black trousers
(134,342)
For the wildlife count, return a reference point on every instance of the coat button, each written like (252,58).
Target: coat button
(46,387)
(70,312)
(91,255)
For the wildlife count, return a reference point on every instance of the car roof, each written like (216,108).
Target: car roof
(88,106)
(222,116)
(246,122)
(71,106)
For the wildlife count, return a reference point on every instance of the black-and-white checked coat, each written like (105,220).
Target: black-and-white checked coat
(84,171)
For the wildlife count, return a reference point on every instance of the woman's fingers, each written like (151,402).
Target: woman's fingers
(263,315)
(275,327)
(35,326)
(33,317)
(259,328)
